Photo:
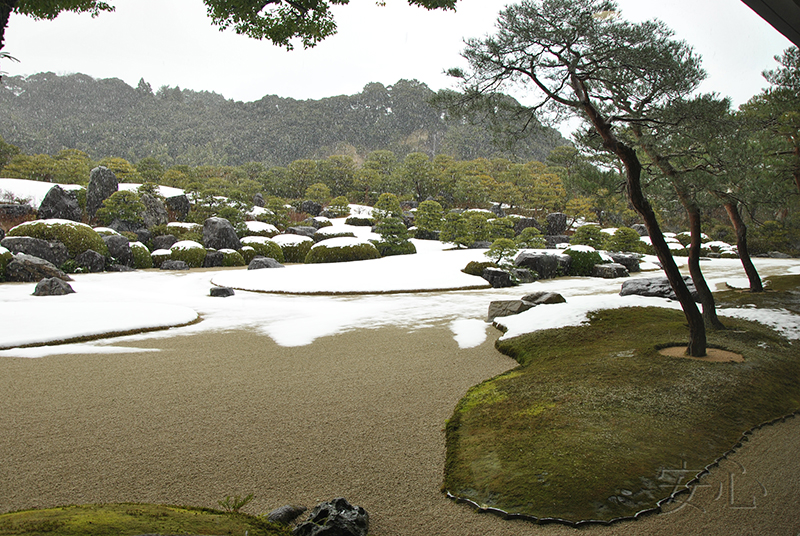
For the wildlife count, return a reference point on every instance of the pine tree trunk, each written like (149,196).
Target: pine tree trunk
(741,243)
(706,297)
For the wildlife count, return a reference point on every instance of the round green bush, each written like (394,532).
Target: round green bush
(231,257)
(339,207)
(589,235)
(387,249)
(259,228)
(141,256)
(5,258)
(477,268)
(78,237)
(188,251)
(531,238)
(624,239)
(341,250)
(583,260)
(263,246)
(295,247)
(359,222)
(248,253)
(159,256)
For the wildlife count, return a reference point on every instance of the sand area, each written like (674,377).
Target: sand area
(358,415)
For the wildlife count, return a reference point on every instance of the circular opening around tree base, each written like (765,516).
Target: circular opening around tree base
(714,355)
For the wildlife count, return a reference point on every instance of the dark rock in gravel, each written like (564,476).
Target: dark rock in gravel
(120,268)
(523,275)
(311,208)
(60,204)
(102,183)
(302,230)
(507,308)
(164,241)
(50,250)
(259,263)
(629,260)
(610,270)
(27,268)
(286,514)
(174,265)
(546,265)
(542,298)
(657,287)
(213,259)
(221,292)
(119,248)
(498,278)
(335,518)
(91,260)
(218,233)
(52,286)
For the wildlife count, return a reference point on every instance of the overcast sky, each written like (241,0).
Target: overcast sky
(172,42)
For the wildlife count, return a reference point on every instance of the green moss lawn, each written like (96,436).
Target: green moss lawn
(586,425)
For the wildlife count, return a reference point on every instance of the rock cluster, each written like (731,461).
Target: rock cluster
(512,307)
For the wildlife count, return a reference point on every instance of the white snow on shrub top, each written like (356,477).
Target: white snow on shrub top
(341,242)
(331,230)
(290,239)
(3,250)
(186,244)
(256,240)
(53,222)
(105,230)
(580,247)
(361,211)
(187,226)
(166,191)
(718,244)
(261,227)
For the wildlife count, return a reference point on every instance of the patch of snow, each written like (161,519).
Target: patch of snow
(290,239)
(183,225)
(186,244)
(469,332)
(256,240)
(165,191)
(261,227)
(341,242)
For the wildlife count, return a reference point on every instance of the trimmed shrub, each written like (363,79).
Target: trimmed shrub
(387,205)
(231,257)
(387,249)
(339,207)
(502,250)
(295,248)
(429,217)
(341,250)
(325,234)
(359,222)
(531,238)
(589,235)
(259,228)
(501,228)
(78,237)
(188,251)
(141,256)
(248,253)
(624,239)
(5,258)
(477,268)
(262,246)
(122,205)
(583,260)
(159,256)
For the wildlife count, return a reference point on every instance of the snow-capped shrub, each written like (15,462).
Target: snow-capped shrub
(359,222)
(78,237)
(188,251)
(341,250)
(531,238)
(259,228)
(5,258)
(387,249)
(248,253)
(159,256)
(141,256)
(231,257)
(589,235)
(263,246)
(624,239)
(295,247)
(105,231)
(583,260)
(331,232)
(338,208)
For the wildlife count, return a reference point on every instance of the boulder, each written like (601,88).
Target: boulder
(302,230)
(556,224)
(120,268)
(480,244)
(609,270)
(119,248)
(497,210)
(102,183)
(2,233)
(91,260)
(423,234)
(258,200)
(60,204)
(523,223)
(221,292)
(164,241)
(547,266)
(311,208)
(27,268)
(629,260)
(285,514)
(52,286)
(640,228)
(213,259)
(523,275)
(174,265)
(12,215)
(543,298)
(50,250)
(259,263)
(507,308)
(155,213)
(218,233)
(498,278)
(657,287)
(178,207)
(335,518)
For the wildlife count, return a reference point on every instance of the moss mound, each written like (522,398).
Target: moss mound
(341,250)
(263,246)
(586,425)
(387,249)
(141,256)
(78,237)
(231,257)
(5,258)
(188,251)
(295,247)
(131,519)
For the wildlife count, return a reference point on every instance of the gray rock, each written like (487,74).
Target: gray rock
(102,183)
(609,270)
(311,208)
(120,268)
(657,287)
(335,518)
(213,259)
(218,233)
(285,514)
(178,206)
(258,200)
(640,228)
(778,255)
(523,275)
(60,204)
(507,308)
(119,248)
(498,211)
(523,223)
(260,263)
(302,230)
(221,292)
(554,240)
(421,234)
(547,266)
(2,233)
(27,268)
(556,223)
(498,278)
(170,264)
(164,241)
(12,215)
(52,286)
(480,244)
(91,260)
(543,298)
(155,213)
(629,260)
(52,251)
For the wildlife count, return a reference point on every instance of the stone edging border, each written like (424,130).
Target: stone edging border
(687,488)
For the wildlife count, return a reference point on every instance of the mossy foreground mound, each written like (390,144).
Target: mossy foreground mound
(130,519)
(591,423)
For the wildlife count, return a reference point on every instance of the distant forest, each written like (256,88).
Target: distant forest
(46,113)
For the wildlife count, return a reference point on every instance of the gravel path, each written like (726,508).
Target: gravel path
(358,415)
